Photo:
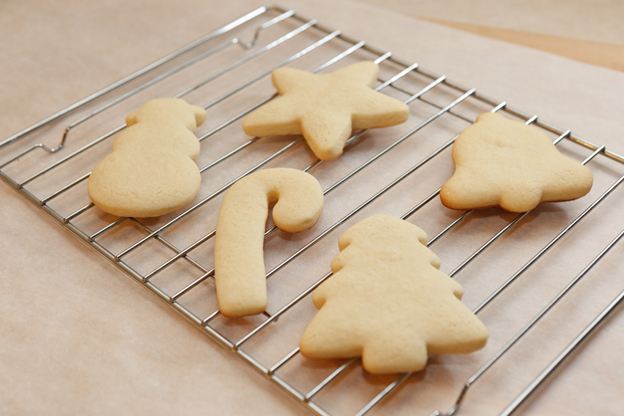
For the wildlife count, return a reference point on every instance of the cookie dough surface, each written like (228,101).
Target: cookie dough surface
(388,302)
(326,108)
(151,171)
(239,258)
(501,162)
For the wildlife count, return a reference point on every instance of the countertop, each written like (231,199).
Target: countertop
(80,337)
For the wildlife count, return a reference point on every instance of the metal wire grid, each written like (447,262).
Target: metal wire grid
(275,15)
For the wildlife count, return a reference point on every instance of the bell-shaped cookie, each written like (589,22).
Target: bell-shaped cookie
(501,162)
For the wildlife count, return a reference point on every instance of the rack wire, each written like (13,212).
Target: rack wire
(281,37)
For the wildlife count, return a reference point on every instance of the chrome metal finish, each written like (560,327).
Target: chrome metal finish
(133,76)
(429,83)
(577,342)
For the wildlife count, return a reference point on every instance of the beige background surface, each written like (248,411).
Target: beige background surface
(597,21)
(586,31)
(78,337)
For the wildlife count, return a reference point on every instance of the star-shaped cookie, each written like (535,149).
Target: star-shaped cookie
(326,108)
(507,163)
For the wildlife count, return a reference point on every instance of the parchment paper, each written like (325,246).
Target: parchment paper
(78,337)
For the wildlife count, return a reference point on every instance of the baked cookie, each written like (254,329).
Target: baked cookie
(388,302)
(239,262)
(507,163)
(326,108)
(151,171)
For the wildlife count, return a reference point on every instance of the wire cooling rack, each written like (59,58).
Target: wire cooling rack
(172,255)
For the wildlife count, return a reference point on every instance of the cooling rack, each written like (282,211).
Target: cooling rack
(49,163)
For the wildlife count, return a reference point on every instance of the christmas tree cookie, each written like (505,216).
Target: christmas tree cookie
(326,108)
(501,162)
(388,302)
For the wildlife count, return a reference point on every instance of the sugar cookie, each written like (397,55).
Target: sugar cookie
(326,108)
(388,302)
(239,262)
(151,171)
(507,163)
